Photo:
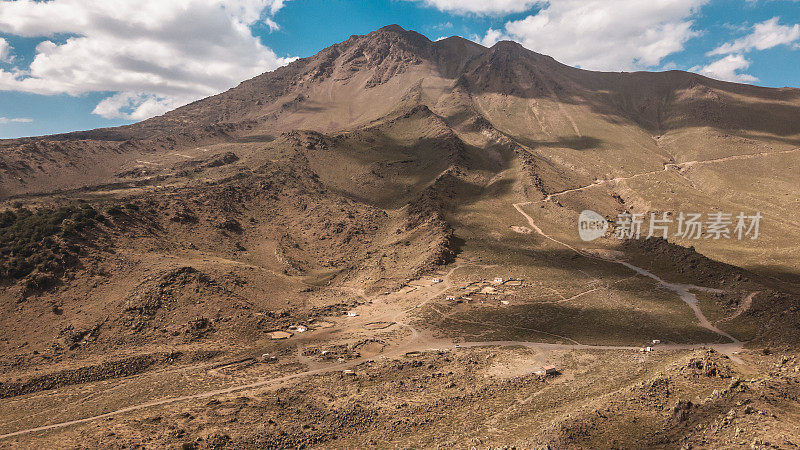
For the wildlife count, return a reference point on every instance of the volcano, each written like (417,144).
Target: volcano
(387,230)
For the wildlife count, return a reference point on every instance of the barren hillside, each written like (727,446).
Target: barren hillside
(377,245)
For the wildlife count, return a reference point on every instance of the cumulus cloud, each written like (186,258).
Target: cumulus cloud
(5,51)
(491,37)
(604,34)
(482,7)
(764,35)
(727,68)
(154,55)
(136,105)
(5,120)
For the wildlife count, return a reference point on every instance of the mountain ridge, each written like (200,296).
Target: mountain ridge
(425,48)
(351,84)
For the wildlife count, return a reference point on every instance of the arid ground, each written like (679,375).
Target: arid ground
(378,246)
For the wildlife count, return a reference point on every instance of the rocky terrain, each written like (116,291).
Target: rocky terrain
(377,246)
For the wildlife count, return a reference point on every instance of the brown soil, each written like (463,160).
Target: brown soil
(347,182)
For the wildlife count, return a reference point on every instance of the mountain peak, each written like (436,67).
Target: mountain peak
(510,47)
(396,59)
(395,31)
(393,27)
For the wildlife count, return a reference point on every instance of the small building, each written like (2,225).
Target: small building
(656,341)
(450,299)
(547,370)
(437,280)
(351,314)
(278,334)
(498,280)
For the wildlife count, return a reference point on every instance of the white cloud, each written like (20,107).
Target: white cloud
(483,7)
(136,105)
(5,51)
(155,54)
(728,69)
(765,35)
(605,34)
(5,120)
(491,37)
(669,66)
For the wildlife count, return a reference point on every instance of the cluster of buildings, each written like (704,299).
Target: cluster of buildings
(484,290)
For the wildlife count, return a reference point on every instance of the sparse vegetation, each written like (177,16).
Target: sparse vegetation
(336,259)
(45,240)
(114,210)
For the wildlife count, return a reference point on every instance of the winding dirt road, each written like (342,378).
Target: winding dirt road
(683,291)
(667,166)
(417,343)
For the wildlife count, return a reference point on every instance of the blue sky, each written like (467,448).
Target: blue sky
(79,64)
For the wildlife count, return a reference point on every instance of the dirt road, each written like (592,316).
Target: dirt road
(418,342)
(682,290)
(667,166)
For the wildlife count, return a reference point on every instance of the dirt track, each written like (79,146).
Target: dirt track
(418,341)
(667,166)
(681,289)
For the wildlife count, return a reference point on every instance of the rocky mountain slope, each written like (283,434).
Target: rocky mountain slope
(526,96)
(220,245)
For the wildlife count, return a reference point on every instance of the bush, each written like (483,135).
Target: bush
(43,240)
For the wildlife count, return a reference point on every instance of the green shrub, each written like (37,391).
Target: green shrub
(114,210)
(43,240)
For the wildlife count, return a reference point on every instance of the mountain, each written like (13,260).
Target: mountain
(526,96)
(215,248)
